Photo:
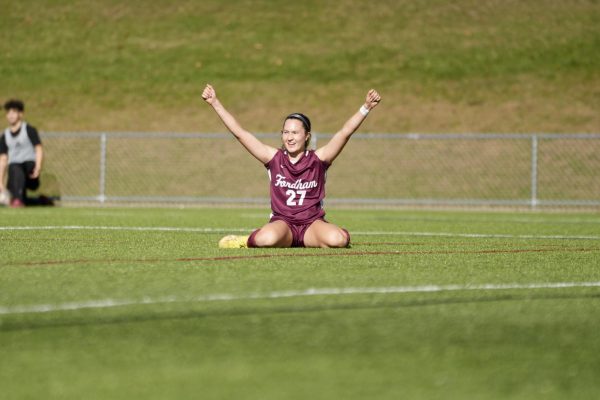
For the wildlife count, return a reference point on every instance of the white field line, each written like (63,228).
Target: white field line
(122,228)
(110,303)
(522,220)
(248,230)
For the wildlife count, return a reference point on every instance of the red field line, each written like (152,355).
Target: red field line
(290,255)
(380,253)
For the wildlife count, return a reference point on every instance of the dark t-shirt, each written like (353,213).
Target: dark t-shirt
(32,133)
(297,190)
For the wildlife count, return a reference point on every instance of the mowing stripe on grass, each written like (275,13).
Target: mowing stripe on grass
(343,253)
(110,303)
(248,230)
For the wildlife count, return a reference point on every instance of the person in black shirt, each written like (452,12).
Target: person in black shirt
(20,150)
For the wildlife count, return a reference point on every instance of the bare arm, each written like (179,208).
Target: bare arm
(39,158)
(258,149)
(331,150)
(3,163)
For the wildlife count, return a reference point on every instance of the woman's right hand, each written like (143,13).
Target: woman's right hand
(209,95)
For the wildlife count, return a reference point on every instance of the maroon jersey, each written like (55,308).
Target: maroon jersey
(297,190)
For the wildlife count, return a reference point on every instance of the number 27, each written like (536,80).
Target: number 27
(291,201)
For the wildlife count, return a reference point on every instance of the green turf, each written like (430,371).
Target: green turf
(517,343)
(465,65)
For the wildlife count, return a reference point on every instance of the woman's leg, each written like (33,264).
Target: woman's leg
(324,234)
(273,234)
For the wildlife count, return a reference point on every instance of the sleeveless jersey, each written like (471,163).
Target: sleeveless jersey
(20,148)
(297,190)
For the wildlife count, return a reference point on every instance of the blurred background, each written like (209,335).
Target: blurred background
(90,70)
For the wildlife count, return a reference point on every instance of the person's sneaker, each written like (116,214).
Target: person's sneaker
(17,203)
(233,242)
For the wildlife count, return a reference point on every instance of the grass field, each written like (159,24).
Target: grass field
(140,303)
(460,66)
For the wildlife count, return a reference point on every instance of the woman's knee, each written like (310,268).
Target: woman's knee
(265,238)
(336,238)
(269,237)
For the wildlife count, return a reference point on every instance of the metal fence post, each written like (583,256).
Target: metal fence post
(102,194)
(534,170)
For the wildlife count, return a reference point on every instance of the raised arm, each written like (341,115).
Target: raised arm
(258,149)
(331,150)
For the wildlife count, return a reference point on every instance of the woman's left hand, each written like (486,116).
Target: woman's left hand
(373,98)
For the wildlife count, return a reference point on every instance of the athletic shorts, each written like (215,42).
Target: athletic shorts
(298,231)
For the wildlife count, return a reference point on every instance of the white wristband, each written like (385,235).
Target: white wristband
(364,110)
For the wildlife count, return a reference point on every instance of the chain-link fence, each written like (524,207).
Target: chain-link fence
(374,169)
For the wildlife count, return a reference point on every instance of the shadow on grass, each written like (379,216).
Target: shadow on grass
(14,324)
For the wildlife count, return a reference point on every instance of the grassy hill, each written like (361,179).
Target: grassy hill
(461,66)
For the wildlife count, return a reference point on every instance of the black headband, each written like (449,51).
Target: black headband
(303,118)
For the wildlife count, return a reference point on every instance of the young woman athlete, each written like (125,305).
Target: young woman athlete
(297,179)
